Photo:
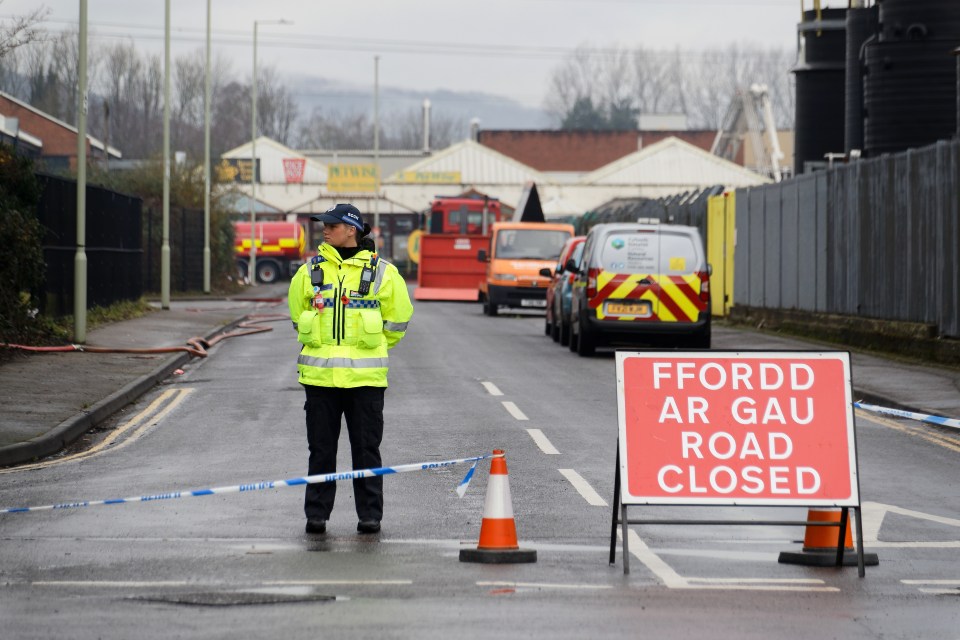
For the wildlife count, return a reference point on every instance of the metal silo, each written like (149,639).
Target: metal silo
(820,76)
(862,26)
(910,81)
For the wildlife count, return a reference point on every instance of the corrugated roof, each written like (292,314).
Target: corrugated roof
(477,164)
(272,154)
(673,163)
(295,198)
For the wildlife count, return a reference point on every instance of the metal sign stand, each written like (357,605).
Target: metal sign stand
(622,520)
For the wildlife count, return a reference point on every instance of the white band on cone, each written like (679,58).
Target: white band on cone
(498,503)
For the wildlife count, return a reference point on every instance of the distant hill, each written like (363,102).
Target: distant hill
(494,111)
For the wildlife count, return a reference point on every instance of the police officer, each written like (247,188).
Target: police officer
(349,307)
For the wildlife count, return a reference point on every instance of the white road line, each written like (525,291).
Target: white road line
(514,410)
(543,585)
(673,580)
(756,580)
(541,440)
(939,592)
(113,442)
(933,582)
(310,583)
(114,583)
(184,583)
(492,389)
(873,515)
(583,487)
(653,562)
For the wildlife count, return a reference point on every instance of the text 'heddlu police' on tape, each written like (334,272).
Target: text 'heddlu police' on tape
(912,415)
(273,484)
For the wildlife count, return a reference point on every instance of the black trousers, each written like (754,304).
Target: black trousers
(363,408)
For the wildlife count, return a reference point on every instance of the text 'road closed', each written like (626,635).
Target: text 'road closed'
(736,428)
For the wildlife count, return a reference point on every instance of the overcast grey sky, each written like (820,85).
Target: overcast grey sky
(505,47)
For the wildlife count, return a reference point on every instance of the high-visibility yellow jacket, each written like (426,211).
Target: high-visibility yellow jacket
(346,335)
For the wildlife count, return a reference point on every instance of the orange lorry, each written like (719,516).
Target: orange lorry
(453,230)
(516,253)
(281,249)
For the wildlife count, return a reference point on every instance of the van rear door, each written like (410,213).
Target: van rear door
(626,283)
(679,278)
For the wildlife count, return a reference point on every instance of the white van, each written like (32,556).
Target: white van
(641,283)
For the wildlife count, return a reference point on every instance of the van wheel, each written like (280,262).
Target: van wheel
(701,341)
(489,308)
(586,342)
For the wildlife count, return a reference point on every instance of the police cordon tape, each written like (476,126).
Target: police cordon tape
(922,417)
(273,484)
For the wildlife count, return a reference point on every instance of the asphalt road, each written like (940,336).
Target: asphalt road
(240,565)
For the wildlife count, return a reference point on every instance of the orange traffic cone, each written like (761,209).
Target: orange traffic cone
(820,543)
(498,531)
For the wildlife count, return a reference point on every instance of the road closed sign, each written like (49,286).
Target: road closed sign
(736,428)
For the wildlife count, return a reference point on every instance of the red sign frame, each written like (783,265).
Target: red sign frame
(736,428)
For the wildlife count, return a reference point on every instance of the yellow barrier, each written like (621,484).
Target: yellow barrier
(721,238)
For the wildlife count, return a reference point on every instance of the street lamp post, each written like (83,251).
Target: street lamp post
(206,161)
(252,269)
(165,233)
(80,257)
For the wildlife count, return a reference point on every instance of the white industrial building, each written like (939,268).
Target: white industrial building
(292,183)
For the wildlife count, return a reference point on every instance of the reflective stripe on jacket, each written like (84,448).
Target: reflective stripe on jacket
(346,335)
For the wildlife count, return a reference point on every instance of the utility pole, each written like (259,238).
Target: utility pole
(165,248)
(252,263)
(206,163)
(376,144)
(80,257)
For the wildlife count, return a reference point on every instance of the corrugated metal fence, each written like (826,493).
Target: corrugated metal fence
(689,208)
(878,238)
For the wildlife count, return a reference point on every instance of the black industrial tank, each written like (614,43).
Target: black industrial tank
(818,127)
(910,81)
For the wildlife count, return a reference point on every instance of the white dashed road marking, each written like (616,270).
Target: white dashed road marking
(583,487)
(541,441)
(492,389)
(543,585)
(514,410)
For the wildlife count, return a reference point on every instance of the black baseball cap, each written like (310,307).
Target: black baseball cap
(346,213)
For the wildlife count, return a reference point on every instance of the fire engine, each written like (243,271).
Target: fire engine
(280,249)
(454,230)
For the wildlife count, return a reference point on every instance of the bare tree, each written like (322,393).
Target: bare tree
(654,84)
(336,130)
(148,105)
(230,117)
(404,130)
(187,109)
(276,109)
(20,30)
(591,85)
(573,81)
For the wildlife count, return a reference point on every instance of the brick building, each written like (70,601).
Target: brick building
(582,151)
(58,151)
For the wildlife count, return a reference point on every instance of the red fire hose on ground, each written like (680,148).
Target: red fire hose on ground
(197,346)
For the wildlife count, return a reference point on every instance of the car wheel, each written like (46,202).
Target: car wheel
(574,339)
(564,336)
(547,326)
